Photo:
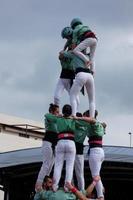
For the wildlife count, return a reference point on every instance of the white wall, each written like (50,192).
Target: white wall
(13,142)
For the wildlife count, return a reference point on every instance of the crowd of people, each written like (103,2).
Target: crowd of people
(66,132)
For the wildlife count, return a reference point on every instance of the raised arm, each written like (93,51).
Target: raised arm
(91,187)
(74,190)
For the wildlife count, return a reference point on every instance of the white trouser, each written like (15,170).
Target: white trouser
(79,171)
(88,42)
(65,150)
(48,161)
(96,157)
(87,80)
(62,84)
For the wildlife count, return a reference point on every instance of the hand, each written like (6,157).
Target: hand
(92,120)
(69,185)
(96,178)
(104,124)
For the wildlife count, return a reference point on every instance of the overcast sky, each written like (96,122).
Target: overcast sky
(29,68)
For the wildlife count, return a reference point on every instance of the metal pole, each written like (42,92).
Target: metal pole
(130,138)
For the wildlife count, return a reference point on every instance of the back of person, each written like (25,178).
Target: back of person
(78,32)
(76,62)
(61,195)
(65,125)
(97,129)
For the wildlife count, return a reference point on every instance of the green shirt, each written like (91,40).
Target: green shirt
(50,195)
(84,129)
(81,130)
(43,195)
(63,124)
(66,63)
(78,32)
(97,129)
(50,125)
(76,62)
(61,195)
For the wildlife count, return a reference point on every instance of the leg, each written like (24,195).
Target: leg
(79,171)
(48,161)
(90,87)
(58,92)
(82,46)
(75,90)
(67,84)
(93,45)
(96,158)
(70,158)
(59,160)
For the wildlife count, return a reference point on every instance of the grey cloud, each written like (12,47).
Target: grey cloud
(114,90)
(32,19)
(30,41)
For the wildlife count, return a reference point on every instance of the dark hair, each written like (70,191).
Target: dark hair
(78,114)
(46,179)
(66,110)
(53,107)
(87,113)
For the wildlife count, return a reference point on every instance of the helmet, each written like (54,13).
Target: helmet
(67,31)
(75,22)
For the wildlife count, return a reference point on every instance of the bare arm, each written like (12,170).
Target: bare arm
(76,191)
(91,187)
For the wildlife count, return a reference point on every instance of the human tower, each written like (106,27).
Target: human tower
(66,132)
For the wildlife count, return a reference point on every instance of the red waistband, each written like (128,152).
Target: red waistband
(95,142)
(90,34)
(65,135)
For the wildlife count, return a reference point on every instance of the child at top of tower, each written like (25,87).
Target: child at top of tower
(83,38)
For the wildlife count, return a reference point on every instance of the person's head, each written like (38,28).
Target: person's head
(78,114)
(87,113)
(54,109)
(75,22)
(47,183)
(66,32)
(66,110)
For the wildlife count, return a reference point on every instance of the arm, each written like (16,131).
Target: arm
(104,126)
(87,119)
(65,54)
(91,187)
(50,117)
(76,191)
